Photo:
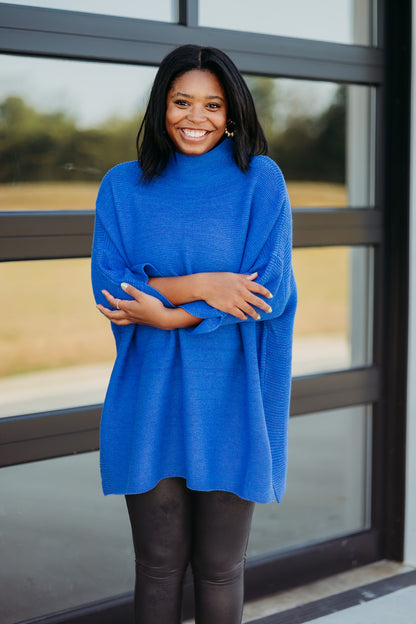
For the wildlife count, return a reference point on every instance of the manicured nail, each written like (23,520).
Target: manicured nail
(255,273)
(269,295)
(124,285)
(258,317)
(269,309)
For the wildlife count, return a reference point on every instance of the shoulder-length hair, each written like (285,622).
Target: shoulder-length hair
(154,145)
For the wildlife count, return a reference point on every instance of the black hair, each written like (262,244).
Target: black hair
(154,145)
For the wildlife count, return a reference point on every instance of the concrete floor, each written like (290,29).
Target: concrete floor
(321,589)
(336,584)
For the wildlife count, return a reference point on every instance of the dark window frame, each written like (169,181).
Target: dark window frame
(52,33)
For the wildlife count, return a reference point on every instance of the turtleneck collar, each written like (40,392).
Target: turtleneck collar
(206,164)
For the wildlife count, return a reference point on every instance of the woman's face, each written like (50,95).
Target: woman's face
(196,112)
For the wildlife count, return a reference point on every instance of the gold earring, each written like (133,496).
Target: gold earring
(229,128)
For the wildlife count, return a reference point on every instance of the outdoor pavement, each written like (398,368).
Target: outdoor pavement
(396,608)
(384,593)
(380,593)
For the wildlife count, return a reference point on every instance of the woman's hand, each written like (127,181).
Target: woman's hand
(144,310)
(234,293)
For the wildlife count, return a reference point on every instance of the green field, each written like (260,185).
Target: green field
(49,318)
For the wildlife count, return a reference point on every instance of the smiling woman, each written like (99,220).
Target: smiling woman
(208,75)
(191,263)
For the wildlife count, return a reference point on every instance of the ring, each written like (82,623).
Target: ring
(117,304)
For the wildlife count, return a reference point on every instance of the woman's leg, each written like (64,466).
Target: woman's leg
(221,526)
(161,528)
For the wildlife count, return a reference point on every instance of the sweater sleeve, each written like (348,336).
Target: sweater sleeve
(268,250)
(109,263)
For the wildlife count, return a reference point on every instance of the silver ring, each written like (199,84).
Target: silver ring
(118,304)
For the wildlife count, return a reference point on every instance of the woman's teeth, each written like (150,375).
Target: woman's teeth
(194,134)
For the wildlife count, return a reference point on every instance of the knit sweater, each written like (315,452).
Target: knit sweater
(208,403)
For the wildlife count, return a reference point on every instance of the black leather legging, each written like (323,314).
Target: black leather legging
(173,526)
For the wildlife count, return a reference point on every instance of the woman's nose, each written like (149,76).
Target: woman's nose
(196,113)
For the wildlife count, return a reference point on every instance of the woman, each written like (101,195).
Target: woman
(192,244)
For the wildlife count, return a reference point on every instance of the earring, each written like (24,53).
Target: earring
(229,128)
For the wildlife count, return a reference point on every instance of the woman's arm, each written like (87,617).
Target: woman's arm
(144,309)
(230,292)
(233,293)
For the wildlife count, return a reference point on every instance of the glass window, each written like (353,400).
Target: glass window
(56,352)
(328,488)
(63,544)
(341,21)
(59,353)
(161,10)
(333,319)
(321,135)
(62,128)
(63,124)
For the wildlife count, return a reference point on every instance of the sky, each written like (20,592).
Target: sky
(92,92)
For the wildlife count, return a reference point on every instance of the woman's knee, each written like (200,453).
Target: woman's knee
(215,561)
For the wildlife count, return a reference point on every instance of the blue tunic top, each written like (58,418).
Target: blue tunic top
(210,403)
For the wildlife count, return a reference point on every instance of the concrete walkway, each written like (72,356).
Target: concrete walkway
(381,593)
(396,608)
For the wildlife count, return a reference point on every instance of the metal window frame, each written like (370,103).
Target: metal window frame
(61,34)
(103,38)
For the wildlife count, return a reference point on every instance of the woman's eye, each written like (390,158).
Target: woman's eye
(181,102)
(213,105)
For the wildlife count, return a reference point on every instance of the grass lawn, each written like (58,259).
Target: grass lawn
(49,318)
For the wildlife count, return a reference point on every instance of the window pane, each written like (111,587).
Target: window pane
(328,489)
(341,21)
(161,10)
(63,125)
(57,351)
(333,319)
(63,544)
(63,128)
(320,134)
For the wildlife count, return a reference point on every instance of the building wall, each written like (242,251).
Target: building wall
(410,526)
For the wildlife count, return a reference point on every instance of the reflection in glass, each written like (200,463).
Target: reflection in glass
(63,544)
(64,124)
(332,325)
(63,127)
(320,134)
(341,21)
(57,351)
(155,10)
(328,489)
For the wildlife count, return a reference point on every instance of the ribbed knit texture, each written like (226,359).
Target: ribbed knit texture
(209,403)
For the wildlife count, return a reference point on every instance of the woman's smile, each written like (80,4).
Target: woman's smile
(194,134)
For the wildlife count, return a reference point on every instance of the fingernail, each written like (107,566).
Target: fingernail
(258,317)
(255,273)
(269,310)
(269,295)
(124,285)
